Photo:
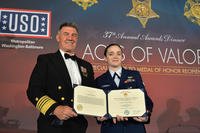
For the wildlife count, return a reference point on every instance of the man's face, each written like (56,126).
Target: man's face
(114,57)
(67,38)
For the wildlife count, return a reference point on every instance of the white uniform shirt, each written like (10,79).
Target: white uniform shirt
(116,79)
(73,69)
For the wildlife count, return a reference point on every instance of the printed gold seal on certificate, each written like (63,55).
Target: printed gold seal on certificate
(125,94)
(85,3)
(192,11)
(79,107)
(142,10)
(126,112)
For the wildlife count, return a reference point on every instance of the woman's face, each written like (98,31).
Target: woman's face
(114,56)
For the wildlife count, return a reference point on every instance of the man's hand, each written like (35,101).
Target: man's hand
(64,112)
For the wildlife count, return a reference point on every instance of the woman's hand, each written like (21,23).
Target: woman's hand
(119,118)
(141,118)
(99,118)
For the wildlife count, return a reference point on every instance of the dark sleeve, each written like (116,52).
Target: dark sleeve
(149,102)
(97,86)
(91,76)
(36,92)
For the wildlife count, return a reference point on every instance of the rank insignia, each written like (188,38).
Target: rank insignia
(192,11)
(142,10)
(84,71)
(129,79)
(85,3)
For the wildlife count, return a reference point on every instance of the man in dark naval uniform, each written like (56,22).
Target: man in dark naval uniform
(52,81)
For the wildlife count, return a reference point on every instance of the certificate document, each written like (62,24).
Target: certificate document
(95,102)
(89,101)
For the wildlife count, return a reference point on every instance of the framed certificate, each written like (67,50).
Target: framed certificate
(95,102)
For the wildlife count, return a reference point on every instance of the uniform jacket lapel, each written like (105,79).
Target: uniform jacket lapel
(111,81)
(61,68)
(81,69)
(123,78)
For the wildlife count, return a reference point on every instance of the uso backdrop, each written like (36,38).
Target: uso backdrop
(160,38)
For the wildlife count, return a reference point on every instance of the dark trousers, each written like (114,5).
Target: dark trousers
(73,125)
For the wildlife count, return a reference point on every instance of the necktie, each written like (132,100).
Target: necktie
(116,78)
(73,57)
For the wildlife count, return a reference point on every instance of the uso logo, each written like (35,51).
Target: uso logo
(25,23)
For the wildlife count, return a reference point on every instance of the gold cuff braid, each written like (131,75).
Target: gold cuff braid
(44,103)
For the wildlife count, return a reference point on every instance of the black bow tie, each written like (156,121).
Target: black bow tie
(73,57)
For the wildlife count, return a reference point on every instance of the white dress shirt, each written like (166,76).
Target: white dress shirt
(116,79)
(73,70)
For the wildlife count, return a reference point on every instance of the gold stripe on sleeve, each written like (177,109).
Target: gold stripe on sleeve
(44,103)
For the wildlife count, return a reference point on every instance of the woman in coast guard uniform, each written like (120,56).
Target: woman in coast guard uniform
(115,78)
